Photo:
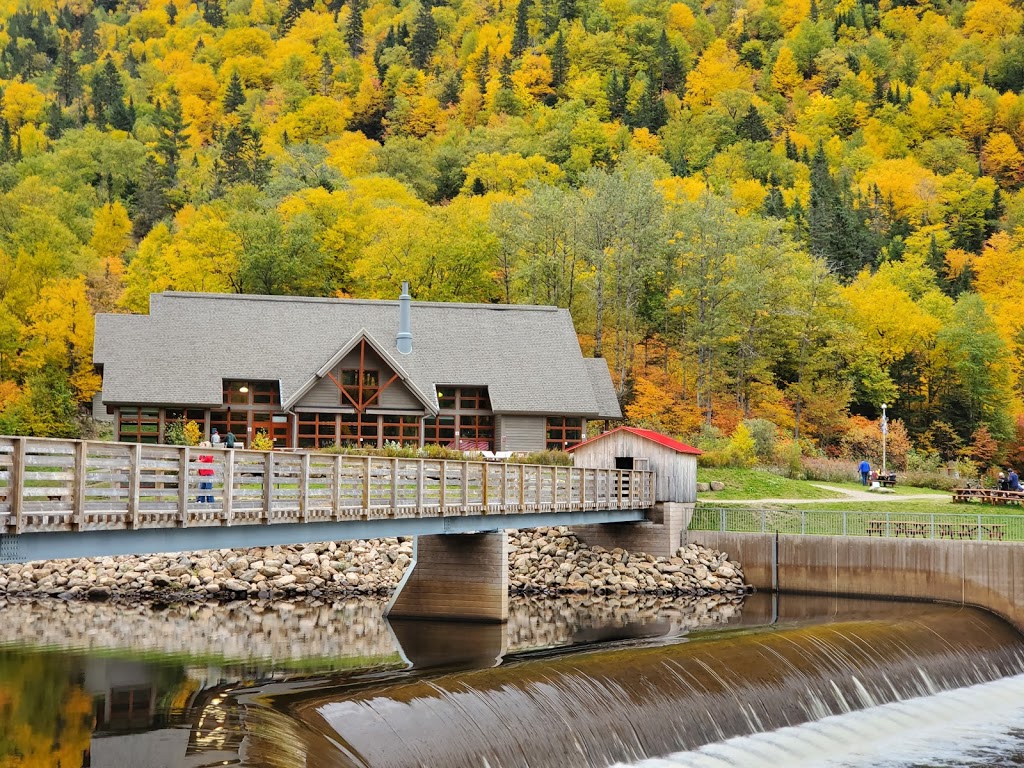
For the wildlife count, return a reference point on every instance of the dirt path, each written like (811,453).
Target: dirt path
(847,495)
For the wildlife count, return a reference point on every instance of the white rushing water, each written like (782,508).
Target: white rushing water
(981,725)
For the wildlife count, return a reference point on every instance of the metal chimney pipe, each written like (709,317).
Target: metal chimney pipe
(405,320)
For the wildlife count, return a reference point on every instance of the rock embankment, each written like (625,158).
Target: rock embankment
(541,561)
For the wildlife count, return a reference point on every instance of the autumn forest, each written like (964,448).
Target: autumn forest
(770,212)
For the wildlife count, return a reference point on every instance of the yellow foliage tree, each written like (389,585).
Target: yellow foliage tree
(1001,159)
(785,74)
(60,333)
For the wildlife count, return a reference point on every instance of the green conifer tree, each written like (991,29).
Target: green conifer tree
(67,79)
(354,30)
(559,62)
(521,36)
(424,38)
(234,97)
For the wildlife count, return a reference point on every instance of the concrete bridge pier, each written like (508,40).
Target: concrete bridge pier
(455,577)
(660,535)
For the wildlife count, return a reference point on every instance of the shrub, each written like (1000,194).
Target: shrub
(740,450)
(789,456)
(261,441)
(829,470)
(393,450)
(765,435)
(557,458)
(182,432)
(940,481)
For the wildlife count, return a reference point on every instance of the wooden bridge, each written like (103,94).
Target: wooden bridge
(75,498)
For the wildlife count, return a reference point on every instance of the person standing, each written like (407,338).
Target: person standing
(229,440)
(865,470)
(215,436)
(207,473)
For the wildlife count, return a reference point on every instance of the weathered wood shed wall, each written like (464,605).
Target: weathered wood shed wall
(676,472)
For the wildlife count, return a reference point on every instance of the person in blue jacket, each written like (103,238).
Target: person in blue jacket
(1013,481)
(865,470)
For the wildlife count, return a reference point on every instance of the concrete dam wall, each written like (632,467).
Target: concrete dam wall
(989,575)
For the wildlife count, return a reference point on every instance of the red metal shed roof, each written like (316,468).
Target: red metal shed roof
(649,434)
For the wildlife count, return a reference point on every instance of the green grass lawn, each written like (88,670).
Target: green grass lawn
(743,484)
(758,484)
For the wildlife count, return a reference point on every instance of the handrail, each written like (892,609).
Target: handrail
(52,485)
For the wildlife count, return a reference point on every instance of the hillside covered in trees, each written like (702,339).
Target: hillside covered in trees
(785,210)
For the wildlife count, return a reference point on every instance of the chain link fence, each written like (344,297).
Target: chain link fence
(981,527)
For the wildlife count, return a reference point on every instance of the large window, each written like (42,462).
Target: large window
(317,430)
(138,425)
(439,430)
(358,430)
(402,429)
(361,392)
(251,393)
(563,432)
(476,428)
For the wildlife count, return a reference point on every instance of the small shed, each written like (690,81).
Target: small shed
(674,463)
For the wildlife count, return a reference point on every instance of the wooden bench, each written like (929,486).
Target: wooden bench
(988,496)
(887,481)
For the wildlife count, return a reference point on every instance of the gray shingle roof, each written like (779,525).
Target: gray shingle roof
(604,390)
(528,357)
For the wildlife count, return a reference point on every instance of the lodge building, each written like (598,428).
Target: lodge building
(315,372)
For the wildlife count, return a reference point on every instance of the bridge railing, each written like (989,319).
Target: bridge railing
(70,485)
(977,527)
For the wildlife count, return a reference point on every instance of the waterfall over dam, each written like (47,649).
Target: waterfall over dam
(625,704)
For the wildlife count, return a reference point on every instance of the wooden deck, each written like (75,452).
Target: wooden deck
(78,486)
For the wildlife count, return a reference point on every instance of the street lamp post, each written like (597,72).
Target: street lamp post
(885,431)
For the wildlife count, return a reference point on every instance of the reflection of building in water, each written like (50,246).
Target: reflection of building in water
(154,716)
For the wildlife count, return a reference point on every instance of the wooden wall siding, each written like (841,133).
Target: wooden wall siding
(325,393)
(676,472)
(520,433)
(68,485)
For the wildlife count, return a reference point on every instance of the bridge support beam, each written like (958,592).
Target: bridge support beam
(660,535)
(455,577)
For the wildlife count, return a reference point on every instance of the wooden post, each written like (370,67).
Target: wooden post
(620,488)
(442,496)
(540,486)
(521,501)
(336,490)
(554,489)
(183,461)
(134,482)
(17,483)
(78,493)
(419,487)
(366,485)
(304,488)
(504,485)
(394,486)
(229,486)
(268,485)
(465,487)
(484,468)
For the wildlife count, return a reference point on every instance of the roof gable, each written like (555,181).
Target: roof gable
(429,403)
(647,434)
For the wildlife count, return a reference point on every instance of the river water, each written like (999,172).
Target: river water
(638,682)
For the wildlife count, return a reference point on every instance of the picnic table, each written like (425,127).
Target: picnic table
(887,480)
(919,529)
(988,496)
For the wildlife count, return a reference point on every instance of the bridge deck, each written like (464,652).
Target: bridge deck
(71,486)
